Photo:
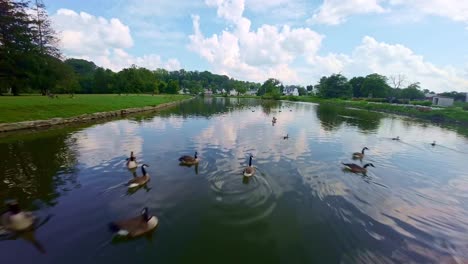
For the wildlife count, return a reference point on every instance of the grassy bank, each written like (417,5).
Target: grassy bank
(454,114)
(27,108)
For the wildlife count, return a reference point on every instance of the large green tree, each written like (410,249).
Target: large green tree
(335,86)
(17,48)
(375,85)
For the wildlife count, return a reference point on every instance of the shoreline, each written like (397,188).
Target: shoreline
(59,121)
(440,116)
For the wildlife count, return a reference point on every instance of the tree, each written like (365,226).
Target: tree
(398,81)
(412,92)
(44,35)
(271,87)
(375,85)
(16,45)
(172,87)
(356,84)
(335,86)
(302,91)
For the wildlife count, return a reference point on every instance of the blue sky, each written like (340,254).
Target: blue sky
(296,41)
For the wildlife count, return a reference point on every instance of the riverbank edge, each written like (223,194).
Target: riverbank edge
(441,116)
(36,124)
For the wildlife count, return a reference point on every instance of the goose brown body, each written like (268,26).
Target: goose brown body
(356,168)
(135,226)
(140,180)
(17,220)
(189,160)
(359,155)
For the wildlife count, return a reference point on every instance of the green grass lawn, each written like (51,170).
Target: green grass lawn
(25,108)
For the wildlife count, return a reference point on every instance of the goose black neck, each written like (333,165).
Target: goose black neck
(367,165)
(363,150)
(143,170)
(250,161)
(196,155)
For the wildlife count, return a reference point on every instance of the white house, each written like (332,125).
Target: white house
(442,101)
(208,92)
(233,92)
(290,91)
(252,92)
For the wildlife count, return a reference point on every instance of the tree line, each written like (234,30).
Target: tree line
(94,79)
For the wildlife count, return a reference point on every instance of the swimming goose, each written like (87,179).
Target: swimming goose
(286,137)
(189,160)
(359,155)
(356,168)
(135,226)
(15,219)
(397,138)
(141,180)
(131,162)
(433,143)
(249,171)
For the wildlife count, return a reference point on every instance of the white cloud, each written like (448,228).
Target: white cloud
(455,10)
(372,56)
(253,55)
(334,12)
(102,41)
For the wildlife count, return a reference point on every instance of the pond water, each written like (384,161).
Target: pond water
(300,207)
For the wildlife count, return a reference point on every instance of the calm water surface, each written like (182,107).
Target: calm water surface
(300,207)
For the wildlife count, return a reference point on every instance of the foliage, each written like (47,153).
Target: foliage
(412,92)
(356,84)
(375,85)
(465,107)
(271,87)
(334,86)
(423,103)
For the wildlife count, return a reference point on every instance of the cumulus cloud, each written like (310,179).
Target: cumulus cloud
(372,56)
(253,54)
(334,12)
(101,40)
(452,9)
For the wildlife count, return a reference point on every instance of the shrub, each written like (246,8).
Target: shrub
(423,103)
(465,107)
(377,100)
(292,98)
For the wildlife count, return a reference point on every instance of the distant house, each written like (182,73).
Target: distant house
(252,92)
(442,101)
(429,96)
(291,91)
(208,92)
(233,92)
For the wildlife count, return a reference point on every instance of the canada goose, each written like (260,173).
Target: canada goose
(273,120)
(286,137)
(131,162)
(189,160)
(249,171)
(135,226)
(141,180)
(397,138)
(433,143)
(15,219)
(356,168)
(359,155)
